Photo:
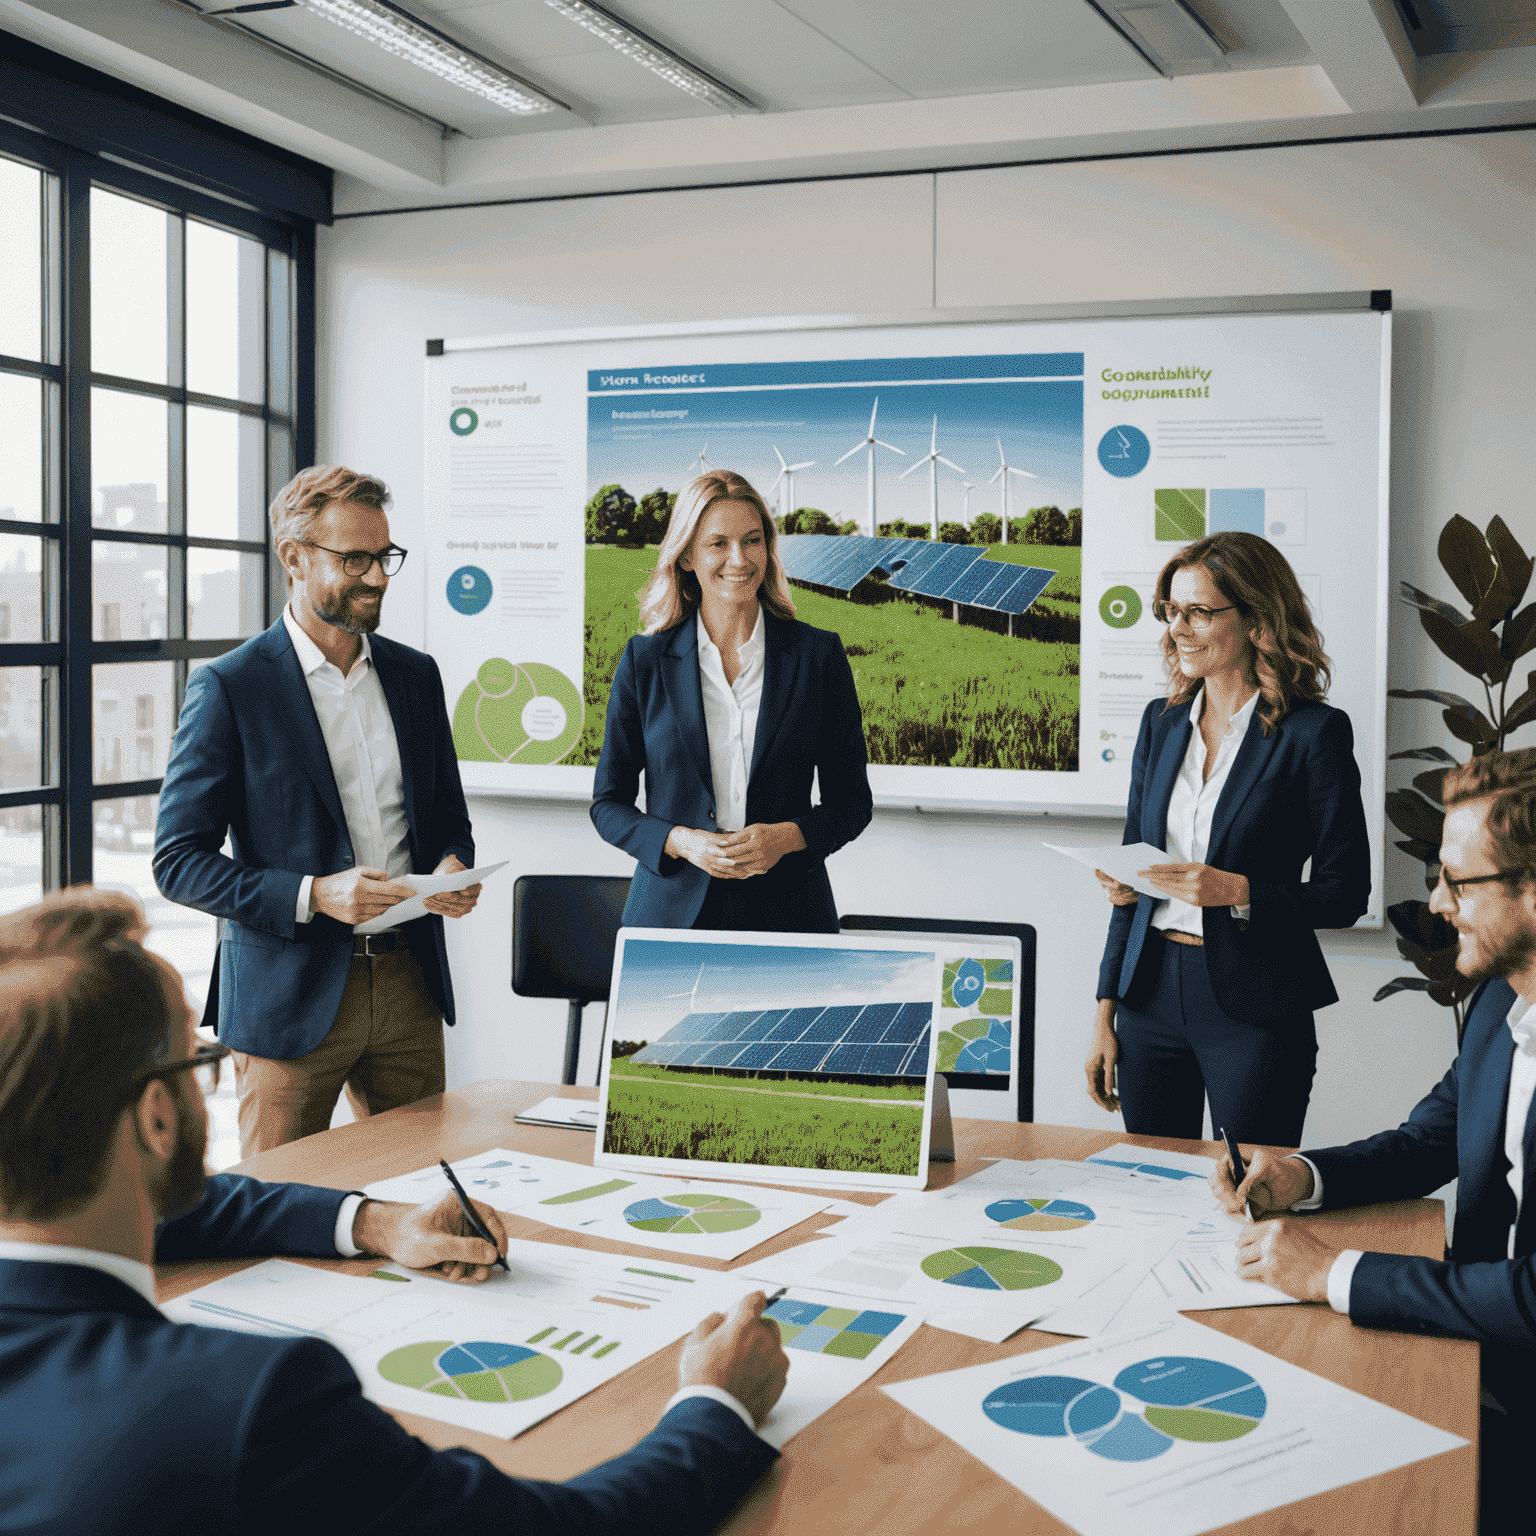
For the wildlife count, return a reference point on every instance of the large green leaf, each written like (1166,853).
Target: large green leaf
(1467,559)
(1413,815)
(1520,633)
(1514,563)
(1411,595)
(1522,711)
(1423,755)
(1471,645)
(1417,848)
(1431,784)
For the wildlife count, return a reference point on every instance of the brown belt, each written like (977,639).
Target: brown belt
(1178,936)
(371,944)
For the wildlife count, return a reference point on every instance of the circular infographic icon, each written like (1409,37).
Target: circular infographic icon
(463,421)
(480,1371)
(969,983)
(692,1214)
(1120,607)
(469,589)
(517,712)
(991,1269)
(1190,1398)
(1040,1215)
(1124,451)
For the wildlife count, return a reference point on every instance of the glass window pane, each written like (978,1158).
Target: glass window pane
(224,475)
(129,242)
(132,719)
(128,461)
(226,303)
(224,591)
(21,260)
(128,587)
(21,588)
(21,445)
(21,856)
(280,344)
(23,703)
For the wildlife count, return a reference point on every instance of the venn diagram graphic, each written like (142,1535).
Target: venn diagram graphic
(517,712)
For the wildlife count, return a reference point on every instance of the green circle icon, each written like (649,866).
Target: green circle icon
(463,421)
(517,712)
(1120,607)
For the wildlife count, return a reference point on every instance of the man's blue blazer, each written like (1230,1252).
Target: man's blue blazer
(1291,795)
(248,760)
(115,1421)
(1455,1132)
(808,725)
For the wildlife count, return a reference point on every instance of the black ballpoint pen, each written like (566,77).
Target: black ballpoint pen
(1235,1161)
(469,1211)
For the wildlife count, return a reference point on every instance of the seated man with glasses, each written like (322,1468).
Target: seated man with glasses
(1478,1125)
(114,1419)
(323,753)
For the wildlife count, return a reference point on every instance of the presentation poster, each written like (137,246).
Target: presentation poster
(979,511)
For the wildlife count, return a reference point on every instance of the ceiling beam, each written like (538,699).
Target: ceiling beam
(1362,48)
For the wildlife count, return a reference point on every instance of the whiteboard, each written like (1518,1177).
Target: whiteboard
(1158,428)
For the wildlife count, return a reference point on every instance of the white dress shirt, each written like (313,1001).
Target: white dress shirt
(1521,1020)
(730,720)
(365,757)
(1191,807)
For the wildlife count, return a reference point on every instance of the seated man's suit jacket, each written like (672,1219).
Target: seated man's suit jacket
(114,1419)
(1455,1132)
(249,760)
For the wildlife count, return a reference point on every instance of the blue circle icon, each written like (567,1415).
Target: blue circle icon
(1108,754)
(1124,451)
(469,589)
(463,421)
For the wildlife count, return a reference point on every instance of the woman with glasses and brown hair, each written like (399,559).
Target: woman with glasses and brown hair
(729,706)
(1242,774)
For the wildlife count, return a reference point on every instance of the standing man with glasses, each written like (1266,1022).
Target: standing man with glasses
(323,753)
(1478,1125)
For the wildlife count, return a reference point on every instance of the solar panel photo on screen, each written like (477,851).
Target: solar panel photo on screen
(770,1052)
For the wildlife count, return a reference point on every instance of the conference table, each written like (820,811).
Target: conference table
(868,1465)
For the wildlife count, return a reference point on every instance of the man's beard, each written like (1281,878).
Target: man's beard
(334,612)
(181,1187)
(1512,958)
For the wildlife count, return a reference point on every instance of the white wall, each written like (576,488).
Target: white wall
(1445,223)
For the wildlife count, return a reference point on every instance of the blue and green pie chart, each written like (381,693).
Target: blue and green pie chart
(1040,1215)
(991,1269)
(688,1215)
(480,1371)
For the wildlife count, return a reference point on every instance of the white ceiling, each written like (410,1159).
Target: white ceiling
(841,86)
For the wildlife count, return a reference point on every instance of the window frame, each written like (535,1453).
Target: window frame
(68,653)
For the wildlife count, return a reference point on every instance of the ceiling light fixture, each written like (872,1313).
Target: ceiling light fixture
(660,60)
(397,32)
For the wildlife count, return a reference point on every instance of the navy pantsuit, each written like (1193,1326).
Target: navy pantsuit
(808,725)
(113,1419)
(1241,1030)
(249,760)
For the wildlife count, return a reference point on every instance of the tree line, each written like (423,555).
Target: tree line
(613,516)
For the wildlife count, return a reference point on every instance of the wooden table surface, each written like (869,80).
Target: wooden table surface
(868,1465)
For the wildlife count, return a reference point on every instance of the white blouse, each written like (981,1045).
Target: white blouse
(730,720)
(1192,806)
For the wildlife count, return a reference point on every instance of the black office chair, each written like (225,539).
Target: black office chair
(563,932)
(1025,982)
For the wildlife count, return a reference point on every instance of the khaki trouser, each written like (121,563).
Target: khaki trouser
(386,1047)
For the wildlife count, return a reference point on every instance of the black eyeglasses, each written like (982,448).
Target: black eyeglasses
(1454,886)
(205,1065)
(358,562)
(1198,618)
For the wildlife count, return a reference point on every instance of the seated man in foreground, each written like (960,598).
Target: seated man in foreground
(1476,1124)
(114,1419)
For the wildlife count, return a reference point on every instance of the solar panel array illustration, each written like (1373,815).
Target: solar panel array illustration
(846,1040)
(958,573)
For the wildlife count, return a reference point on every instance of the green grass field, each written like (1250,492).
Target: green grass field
(934,693)
(726,1125)
(626,1066)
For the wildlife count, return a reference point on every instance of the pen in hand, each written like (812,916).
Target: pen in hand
(1235,1162)
(471,1215)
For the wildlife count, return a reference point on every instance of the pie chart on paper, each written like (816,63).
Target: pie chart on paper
(1040,1215)
(991,1269)
(480,1371)
(688,1215)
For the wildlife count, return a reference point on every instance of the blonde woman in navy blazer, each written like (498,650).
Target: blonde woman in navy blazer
(729,838)
(1242,773)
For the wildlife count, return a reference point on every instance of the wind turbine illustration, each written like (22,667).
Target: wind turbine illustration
(692,994)
(787,476)
(700,465)
(933,459)
(1002,474)
(870,443)
(965,509)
